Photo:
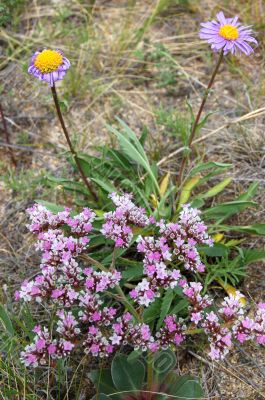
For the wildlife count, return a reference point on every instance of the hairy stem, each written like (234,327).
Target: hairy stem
(71,147)
(198,117)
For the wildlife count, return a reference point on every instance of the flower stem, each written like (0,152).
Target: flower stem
(12,157)
(150,371)
(198,117)
(71,147)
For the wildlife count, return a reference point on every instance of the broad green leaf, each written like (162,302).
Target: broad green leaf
(165,306)
(217,250)
(127,375)
(103,381)
(184,387)
(134,355)
(197,203)
(164,362)
(216,189)
(101,396)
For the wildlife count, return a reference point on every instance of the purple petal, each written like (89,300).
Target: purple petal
(221,18)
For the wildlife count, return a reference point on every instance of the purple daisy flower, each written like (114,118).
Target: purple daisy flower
(49,65)
(228,35)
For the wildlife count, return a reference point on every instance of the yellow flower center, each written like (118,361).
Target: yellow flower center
(229,32)
(48,61)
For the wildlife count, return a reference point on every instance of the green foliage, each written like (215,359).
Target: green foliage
(8,8)
(186,387)
(165,65)
(25,183)
(173,123)
(127,376)
(130,169)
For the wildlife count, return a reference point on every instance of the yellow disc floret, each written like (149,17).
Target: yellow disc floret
(229,32)
(48,61)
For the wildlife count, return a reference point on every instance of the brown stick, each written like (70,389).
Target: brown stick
(71,147)
(10,151)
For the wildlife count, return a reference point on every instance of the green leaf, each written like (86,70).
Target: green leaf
(6,321)
(107,186)
(101,396)
(250,193)
(184,387)
(152,312)
(132,272)
(216,189)
(133,149)
(134,355)
(55,208)
(164,362)
(203,121)
(181,305)
(256,229)
(209,165)
(103,381)
(69,185)
(217,250)
(253,255)
(225,210)
(127,375)
(165,306)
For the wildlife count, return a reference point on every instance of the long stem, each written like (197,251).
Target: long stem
(12,157)
(198,117)
(150,372)
(71,147)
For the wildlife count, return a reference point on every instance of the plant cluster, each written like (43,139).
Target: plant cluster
(81,295)
(134,270)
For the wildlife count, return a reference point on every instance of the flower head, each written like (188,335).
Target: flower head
(49,65)
(228,34)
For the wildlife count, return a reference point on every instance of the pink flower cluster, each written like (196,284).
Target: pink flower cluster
(183,236)
(197,302)
(44,348)
(251,329)
(86,314)
(229,322)
(118,223)
(176,244)
(172,333)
